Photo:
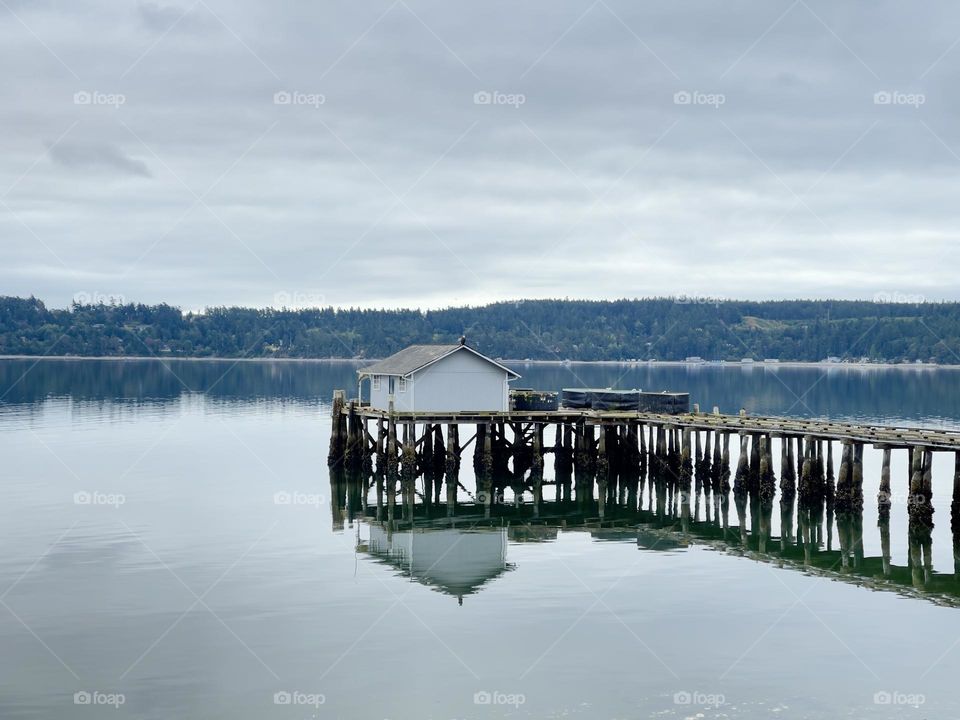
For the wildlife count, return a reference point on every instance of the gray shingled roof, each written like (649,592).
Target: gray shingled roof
(409,360)
(412,358)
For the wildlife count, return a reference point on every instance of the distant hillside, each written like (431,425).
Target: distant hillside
(660,328)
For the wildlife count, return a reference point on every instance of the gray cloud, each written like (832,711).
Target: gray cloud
(96,156)
(163,18)
(829,167)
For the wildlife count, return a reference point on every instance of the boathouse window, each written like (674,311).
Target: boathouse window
(403,384)
(390,384)
(376,382)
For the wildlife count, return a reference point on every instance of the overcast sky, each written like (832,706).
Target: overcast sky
(427,153)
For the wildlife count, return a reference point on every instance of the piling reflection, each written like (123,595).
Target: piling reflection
(454,538)
(620,477)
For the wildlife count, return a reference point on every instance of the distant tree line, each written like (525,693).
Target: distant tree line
(656,328)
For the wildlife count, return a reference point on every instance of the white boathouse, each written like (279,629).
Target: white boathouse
(438,378)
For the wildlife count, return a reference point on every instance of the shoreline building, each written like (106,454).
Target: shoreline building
(438,378)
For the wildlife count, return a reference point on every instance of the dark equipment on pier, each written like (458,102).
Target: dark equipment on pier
(627,400)
(529,399)
(665,402)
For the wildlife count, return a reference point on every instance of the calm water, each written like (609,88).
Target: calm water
(171,541)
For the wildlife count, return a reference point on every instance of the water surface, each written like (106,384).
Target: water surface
(171,536)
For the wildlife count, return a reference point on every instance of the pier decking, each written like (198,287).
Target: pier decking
(878,435)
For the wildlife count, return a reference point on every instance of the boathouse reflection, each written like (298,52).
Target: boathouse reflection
(451,560)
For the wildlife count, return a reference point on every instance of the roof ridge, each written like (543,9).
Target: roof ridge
(417,356)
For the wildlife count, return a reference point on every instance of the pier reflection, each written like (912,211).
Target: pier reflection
(459,547)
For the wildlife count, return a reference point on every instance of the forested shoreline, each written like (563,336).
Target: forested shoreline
(642,329)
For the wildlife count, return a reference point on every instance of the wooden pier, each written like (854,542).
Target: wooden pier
(682,462)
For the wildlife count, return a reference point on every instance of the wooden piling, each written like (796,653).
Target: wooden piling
(708,490)
(581,456)
(884,499)
(916,500)
(450,460)
(788,479)
(641,432)
(788,492)
(924,507)
(381,447)
(768,480)
(741,487)
(603,463)
(426,459)
(352,452)
(856,477)
(804,494)
(697,474)
(844,496)
(830,493)
(716,474)
(819,471)
(393,471)
(753,471)
(741,480)
(337,430)
(686,466)
(801,458)
(379,491)
(725,481)
(658,471)
(408,467)
(563,459)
